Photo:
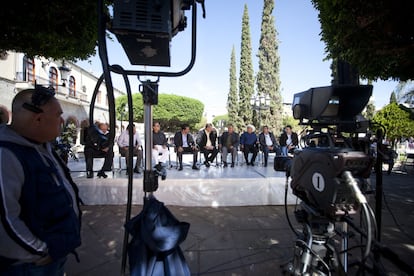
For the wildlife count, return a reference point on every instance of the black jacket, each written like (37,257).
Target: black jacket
(178,139)
(235,139)
(95,139)
(262,140)
(202,139)
(283,139)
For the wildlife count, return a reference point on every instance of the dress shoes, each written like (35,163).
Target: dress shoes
(89,174)
(224,164)
(180,168)
(136,170)
(195,168)
(207,164)
(102,174)
(232,165)
(158,167)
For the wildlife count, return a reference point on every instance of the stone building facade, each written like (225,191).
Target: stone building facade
(74,86)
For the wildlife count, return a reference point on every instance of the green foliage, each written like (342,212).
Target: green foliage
(393,98)
(56,29)
(375,36)
(246,80)
(171,111)
(233,96)
(290,121)
(369,110)
(224,118)
(268,82)
(199,125)
(395,120)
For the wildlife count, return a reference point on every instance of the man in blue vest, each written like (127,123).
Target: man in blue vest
(39,203)
(249,144)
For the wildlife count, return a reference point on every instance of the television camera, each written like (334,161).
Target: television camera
(328,174)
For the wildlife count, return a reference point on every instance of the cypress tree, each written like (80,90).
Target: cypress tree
(246,80)
(233,96)
(268,82)
(393,97)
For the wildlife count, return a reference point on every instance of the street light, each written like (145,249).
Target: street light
(64,72)
(259,103)
(124,111)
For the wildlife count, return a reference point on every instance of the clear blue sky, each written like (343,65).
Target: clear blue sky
(300,49)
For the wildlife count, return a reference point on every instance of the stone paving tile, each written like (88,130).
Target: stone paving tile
(220,262)
(248,240)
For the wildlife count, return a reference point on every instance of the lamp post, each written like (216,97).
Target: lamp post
(124,111)
(259,103)
(64,72)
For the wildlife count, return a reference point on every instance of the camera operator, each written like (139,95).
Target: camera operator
(288,140)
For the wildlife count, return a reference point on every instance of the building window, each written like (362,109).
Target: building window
(99,97)
(72,86)
(53,78)
(29,69)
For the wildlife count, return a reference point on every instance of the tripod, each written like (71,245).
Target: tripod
(314,250)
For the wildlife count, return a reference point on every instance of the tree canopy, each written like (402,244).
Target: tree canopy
(172,111)
(375,36)
(53,29)
(267,79)
(246,79)
(233,96)
(396,121)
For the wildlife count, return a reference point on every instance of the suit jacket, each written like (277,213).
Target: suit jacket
(262,140)
(202,139)
(283,138)
(235,139)
(95,139)
(178,139)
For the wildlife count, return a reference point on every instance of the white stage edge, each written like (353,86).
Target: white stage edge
(214,192)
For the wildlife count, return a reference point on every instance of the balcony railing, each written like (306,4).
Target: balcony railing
(62,90)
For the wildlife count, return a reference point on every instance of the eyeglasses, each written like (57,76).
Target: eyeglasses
(40,96)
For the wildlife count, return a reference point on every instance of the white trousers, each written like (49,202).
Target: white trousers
(156,151)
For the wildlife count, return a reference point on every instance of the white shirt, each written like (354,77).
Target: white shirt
(289,139)
(208,144)
(185,142)
(123,140)
(268,140)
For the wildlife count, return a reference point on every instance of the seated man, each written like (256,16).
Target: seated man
(123,143)
(97,145)
(249,144)
(229,143)
(268,144)
(184,143)
(160,150)
(288,140)
(206,141)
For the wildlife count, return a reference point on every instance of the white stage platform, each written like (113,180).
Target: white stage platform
(189,192)
(215,186)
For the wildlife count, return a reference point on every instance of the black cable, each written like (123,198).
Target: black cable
(286,208)
(369,231)
(384,251)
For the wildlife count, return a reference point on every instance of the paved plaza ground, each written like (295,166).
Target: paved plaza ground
(234,240)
